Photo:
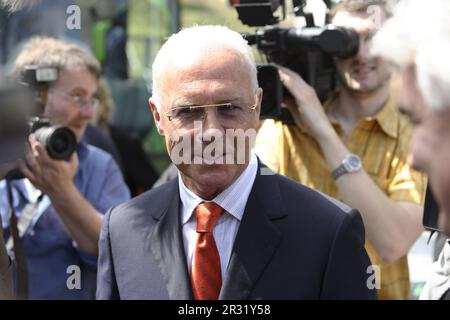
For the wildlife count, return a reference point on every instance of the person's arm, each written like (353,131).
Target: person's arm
(56,179)
(392,227)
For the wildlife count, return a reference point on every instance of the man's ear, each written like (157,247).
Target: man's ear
(156,115)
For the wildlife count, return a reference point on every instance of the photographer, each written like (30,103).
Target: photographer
(66,198)
(422,51)
(354,148)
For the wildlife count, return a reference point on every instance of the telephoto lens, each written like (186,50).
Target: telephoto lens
(60,142)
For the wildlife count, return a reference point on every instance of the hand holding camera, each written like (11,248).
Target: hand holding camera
(305,107)
(46,173)
(58,142)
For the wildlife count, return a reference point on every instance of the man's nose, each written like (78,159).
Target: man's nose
(88,111)
(363,50)
(211,119)
(212,126)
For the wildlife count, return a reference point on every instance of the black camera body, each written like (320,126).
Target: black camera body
(309,51)
(59,141)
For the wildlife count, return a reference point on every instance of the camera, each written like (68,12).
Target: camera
(309,51)
(59,141)
(21,114)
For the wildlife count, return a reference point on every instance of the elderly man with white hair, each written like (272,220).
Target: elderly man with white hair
(228,230)
(417,39)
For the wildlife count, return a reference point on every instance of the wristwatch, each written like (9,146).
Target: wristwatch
(351,163)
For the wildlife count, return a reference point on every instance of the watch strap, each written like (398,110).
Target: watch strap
(339,171)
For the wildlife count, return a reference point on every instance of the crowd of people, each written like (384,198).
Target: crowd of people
(250,209)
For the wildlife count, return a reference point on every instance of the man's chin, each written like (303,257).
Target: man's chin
(212,169)
(214,175)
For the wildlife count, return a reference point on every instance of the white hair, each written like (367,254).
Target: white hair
(16,5)
(419,34)
(196,43)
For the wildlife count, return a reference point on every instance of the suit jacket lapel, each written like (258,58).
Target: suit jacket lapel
(257,238)
(166,243)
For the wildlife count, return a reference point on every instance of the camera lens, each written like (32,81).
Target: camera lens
(60,142)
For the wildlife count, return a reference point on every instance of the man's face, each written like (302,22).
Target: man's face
(430,147)
(218,78)
(62,107)
(362,73)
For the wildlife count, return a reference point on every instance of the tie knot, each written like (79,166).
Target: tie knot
(207,215)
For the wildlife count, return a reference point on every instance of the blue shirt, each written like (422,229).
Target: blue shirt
(52,256)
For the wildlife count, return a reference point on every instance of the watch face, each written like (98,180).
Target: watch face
(352,163)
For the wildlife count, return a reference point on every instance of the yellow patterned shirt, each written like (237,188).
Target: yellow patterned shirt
(382,143)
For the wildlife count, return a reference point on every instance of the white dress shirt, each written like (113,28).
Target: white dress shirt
(233,200)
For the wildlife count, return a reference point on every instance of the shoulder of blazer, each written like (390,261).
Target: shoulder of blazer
(154,202)
(293,193)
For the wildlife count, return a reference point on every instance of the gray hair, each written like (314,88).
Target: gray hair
(419,35)
(196,43)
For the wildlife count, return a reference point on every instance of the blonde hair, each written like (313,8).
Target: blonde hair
(106,106)
(419,34)
(50,52)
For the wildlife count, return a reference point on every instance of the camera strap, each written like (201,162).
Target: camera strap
(19,252)
(25,219)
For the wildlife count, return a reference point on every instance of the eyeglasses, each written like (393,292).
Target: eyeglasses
(228,114)
(81,101)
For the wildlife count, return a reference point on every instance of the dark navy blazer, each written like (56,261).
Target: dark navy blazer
(292,243)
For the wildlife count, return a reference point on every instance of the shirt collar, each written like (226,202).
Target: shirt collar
(233,199)
(82,150)
(387,117)
(18,186)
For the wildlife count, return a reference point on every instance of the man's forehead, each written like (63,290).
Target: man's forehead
(211,61)
(77,77)
(205,91)
(213,74)
(360,21)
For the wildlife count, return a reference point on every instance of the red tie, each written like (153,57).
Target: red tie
(206,277)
